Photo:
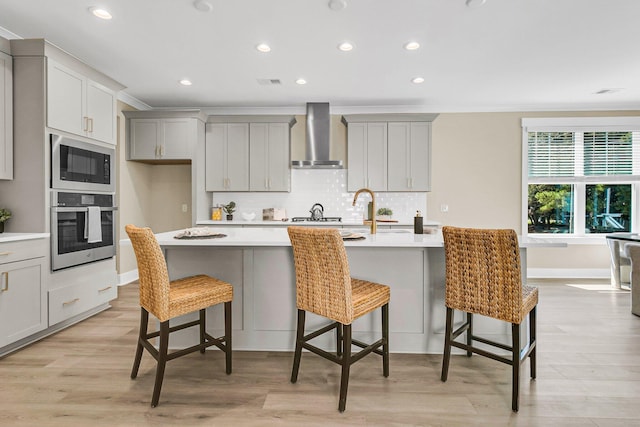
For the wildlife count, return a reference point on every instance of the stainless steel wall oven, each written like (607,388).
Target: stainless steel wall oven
(82,228)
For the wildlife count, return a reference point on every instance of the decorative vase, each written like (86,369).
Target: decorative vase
(229,217)
(1,227)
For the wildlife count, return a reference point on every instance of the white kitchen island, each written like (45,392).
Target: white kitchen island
(258,262)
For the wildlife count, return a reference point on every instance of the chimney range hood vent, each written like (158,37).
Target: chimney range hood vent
(317,139)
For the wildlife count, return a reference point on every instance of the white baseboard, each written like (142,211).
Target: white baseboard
(127,277)
(568,273)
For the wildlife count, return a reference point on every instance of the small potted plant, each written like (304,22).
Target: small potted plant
(229,210)
(384,213)
(5,214)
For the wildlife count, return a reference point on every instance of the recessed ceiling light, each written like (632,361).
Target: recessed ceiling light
(100,13)
(475,3)
(412,45)
(337,4)
(203,6)
(185,82)
(345,46)
(301,81)
(417,80)
(263,47)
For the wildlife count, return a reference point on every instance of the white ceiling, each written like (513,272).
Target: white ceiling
(506,55)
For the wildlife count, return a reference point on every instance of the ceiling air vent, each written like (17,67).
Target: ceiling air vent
(269,82)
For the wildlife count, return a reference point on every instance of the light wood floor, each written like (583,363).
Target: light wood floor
(588,375)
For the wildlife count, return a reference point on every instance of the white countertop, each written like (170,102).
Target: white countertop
(277,237)
(16,237)
(261,223)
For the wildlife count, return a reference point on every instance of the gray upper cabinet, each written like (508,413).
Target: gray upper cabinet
(389,152)
(367,156)
(78,105)
(248,153)
(227,157)
(269,157)
(6,116)
(162,138)
(409,156)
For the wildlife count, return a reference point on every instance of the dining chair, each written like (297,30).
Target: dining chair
(167,299)
(483,276)
(324,287)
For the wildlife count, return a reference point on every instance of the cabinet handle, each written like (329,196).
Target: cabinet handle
(105,289)
(5,253)
(5,275)
(269,185)
(71,302)
(90,124)
(85,123)
(162,151)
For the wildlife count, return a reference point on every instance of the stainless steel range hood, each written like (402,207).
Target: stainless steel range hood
(317,142)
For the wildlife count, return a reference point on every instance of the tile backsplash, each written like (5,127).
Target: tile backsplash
(329,188)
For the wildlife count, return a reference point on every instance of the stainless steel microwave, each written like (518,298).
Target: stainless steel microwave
(81,166)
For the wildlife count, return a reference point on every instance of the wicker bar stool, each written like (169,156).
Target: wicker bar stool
(483,277)
(324,287)
(169,299)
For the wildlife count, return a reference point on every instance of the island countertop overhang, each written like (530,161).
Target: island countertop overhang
(278,237)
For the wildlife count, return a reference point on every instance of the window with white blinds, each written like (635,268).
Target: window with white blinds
(591,155)
(551,154)
(582,175)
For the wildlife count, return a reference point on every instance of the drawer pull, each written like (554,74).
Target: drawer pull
(5,276)
(5,253)
(104,289)
(71,302)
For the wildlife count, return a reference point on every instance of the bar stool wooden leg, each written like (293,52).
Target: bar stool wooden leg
(515,366)
(532,341)
(346,365)
(447,345)
(142,335)
(162,361)
(385,337)
(298,352)
(227,334)
(203,322)
(338,339)
(469,333)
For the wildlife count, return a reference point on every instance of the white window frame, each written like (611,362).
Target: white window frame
(577,124)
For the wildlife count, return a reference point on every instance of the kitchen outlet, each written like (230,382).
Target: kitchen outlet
(185,207)
(444,208)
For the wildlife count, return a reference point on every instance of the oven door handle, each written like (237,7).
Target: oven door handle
(80,209)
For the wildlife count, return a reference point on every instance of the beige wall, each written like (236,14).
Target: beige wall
(148,196)
(476,171)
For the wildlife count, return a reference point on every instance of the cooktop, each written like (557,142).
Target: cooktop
(323,219)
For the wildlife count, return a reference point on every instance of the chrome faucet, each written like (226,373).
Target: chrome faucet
(374,227)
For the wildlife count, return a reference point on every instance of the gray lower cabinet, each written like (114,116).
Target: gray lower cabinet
(71,293)
(6,116)
(23,297)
